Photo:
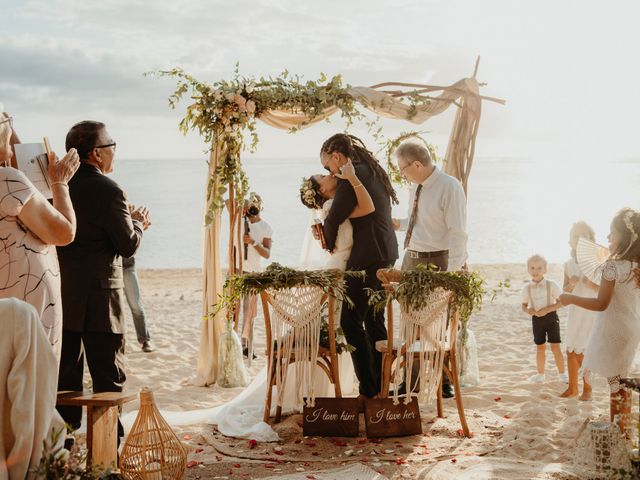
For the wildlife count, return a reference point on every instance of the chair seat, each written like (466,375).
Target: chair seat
(381,346)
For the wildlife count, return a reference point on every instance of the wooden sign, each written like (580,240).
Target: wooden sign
(384,419)
(331,417)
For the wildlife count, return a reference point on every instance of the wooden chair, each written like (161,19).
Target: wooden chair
(277,364)
(397,352)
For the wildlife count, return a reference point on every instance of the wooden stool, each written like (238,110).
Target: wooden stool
(102,422)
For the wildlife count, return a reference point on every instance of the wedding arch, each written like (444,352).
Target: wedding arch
(226,111)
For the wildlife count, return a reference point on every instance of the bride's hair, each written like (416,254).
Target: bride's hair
(310,193)
(352,147)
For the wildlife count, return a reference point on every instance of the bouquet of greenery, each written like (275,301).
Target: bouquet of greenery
(341,341)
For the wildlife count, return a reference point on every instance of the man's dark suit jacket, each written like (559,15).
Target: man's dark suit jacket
(91,266)
(374,240)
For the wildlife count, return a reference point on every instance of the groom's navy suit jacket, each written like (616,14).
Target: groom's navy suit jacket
(374,240)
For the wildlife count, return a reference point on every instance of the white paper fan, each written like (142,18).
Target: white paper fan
(591,256)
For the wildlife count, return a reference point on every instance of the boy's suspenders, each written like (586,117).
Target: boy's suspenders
(530,297)
(548,294)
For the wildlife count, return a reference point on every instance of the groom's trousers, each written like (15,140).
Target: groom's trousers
(363,327)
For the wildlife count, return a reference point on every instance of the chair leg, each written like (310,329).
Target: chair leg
(439,401)
(278,413)
(267,405)
(387,363)
(456,388)
(383,375)
(335,373)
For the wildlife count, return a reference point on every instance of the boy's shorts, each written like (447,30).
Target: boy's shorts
(546,329)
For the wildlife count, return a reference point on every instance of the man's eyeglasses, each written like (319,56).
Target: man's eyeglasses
(405,167)
(107,145)
(7,120)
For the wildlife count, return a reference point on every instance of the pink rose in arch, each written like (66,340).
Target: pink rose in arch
(251,106)
(241,102)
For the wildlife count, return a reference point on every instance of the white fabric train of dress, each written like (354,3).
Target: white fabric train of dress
(242,416)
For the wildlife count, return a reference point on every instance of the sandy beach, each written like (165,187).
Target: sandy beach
(520,430)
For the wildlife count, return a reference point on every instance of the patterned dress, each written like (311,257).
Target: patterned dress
(28,267)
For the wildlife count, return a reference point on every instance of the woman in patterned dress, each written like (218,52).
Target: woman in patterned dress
(30,228)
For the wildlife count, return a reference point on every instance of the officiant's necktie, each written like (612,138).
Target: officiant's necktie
(414,216)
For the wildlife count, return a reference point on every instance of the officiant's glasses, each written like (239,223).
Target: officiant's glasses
(107,145)
(8,119)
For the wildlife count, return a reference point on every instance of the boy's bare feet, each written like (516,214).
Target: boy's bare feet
(569,393)
(586,394)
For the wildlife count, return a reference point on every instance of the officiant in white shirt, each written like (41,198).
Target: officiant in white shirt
(436,226)
(437,217)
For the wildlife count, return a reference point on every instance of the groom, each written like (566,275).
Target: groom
(374,247)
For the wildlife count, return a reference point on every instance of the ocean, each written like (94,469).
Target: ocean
(516,206)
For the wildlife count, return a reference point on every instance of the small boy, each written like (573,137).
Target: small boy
(540,300)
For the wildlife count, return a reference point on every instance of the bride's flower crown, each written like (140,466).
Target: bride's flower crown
(308,193)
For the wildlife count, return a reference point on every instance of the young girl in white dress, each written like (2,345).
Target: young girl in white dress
(579,320)
(615,338)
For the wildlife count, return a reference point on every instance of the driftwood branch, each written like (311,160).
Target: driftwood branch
(419,88)
(475,69)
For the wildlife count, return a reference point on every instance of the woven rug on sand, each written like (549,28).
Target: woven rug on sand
(356,471)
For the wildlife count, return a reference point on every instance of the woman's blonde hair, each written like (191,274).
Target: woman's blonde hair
(579,230)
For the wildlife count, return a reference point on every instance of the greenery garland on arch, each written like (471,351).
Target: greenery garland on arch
(227,109)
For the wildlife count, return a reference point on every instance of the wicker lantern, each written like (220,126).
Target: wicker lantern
(601,451)
(152,451)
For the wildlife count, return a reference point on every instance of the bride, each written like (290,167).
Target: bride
(242,416)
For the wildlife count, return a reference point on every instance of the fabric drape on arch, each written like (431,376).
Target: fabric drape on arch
(212,282)
(459,159)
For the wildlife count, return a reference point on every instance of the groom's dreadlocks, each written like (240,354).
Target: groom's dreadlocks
(352,147)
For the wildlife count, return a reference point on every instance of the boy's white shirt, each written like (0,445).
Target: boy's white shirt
(536,297)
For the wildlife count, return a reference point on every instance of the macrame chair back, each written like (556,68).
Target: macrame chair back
(425,335)
(293,333)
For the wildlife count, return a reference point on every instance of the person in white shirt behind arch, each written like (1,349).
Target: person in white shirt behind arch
(437,218)
(257,245)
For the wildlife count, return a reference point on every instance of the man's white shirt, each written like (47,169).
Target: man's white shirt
(258,232)
(441,223)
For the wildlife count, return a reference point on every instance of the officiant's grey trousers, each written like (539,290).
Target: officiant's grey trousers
(363,328)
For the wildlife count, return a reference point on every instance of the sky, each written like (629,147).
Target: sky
(567,69)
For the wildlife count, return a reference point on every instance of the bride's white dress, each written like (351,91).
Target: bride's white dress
(242,416)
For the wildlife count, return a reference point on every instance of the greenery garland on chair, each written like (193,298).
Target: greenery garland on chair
(416,285)
(276,277)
